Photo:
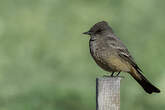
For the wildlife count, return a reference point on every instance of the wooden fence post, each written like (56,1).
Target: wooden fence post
(108,93)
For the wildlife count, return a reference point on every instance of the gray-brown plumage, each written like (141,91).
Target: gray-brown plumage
(112,55)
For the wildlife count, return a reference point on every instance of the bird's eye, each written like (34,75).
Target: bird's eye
(98,31)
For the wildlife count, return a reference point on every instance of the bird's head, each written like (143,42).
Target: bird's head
(99,28)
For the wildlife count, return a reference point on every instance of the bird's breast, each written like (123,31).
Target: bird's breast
(99,53)
(106,57)
(99,49)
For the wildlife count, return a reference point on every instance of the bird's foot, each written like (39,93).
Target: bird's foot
(112,75)
(118,73)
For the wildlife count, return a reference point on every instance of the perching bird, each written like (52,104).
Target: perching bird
(112,55)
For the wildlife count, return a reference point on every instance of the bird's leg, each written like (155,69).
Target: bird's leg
(112,74)
(118,73)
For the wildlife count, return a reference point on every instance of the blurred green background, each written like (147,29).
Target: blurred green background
(45,62)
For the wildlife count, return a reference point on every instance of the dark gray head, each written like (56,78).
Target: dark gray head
(99,28)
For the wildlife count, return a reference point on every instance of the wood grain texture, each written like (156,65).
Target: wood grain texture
(108,93)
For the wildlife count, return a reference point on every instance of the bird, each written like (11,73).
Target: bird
(112,55)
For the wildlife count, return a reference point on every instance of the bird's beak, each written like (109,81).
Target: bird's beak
(88,33)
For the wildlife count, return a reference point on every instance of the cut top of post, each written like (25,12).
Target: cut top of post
(108,93)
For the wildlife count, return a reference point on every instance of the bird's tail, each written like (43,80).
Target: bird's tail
(147,86)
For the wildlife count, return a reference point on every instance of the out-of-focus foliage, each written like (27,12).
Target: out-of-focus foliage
(44,58)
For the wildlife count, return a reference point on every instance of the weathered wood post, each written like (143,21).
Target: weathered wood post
(108,93)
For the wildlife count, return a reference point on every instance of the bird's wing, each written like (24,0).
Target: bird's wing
(124,54)
(122,51)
